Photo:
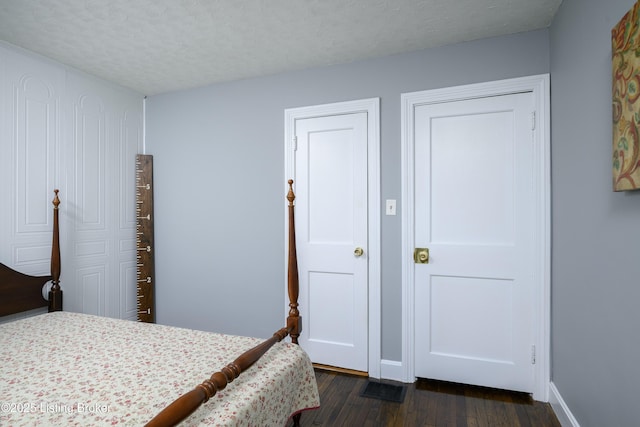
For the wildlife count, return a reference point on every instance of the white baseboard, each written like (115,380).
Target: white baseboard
(560,408)
(391,370)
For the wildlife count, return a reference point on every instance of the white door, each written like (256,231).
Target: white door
(331,222)
(475,212)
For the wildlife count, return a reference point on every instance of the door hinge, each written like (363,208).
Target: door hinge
(533,120)
(533,354)
(294,143)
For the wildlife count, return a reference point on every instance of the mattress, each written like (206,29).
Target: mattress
(75,369)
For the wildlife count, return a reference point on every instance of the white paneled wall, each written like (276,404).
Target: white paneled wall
(63,129)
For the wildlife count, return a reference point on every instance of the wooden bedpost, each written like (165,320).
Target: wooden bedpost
(294,321)
(55,294)
(183,406)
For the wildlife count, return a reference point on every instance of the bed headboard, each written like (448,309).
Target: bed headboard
(21,292)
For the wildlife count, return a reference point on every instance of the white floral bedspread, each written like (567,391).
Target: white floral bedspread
(70,369)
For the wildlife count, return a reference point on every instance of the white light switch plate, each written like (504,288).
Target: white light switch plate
(391,207)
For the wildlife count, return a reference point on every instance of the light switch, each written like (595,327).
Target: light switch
(391,207)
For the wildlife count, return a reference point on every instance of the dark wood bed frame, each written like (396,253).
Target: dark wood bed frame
(20,292)
(186,404)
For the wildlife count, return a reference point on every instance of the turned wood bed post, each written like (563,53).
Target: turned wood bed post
(186,404)
(294,321)
(55,294)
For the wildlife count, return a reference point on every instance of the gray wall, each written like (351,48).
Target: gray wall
(219,177)
(596,255)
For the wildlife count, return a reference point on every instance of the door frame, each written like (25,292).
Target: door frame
(538,85)
(370,106)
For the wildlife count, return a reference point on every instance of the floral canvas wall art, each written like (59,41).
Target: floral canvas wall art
(625,44)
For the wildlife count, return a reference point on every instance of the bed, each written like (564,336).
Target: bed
(63,368)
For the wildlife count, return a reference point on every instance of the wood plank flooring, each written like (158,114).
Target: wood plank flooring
(426,403)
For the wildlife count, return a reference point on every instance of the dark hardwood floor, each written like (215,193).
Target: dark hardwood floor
(426,403)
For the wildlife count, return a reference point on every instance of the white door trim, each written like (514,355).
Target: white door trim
(372,108)
(539,86)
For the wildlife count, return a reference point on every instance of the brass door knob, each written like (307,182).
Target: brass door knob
(421,255)
(358,251)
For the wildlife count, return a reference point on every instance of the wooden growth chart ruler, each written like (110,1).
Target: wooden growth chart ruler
(144,237)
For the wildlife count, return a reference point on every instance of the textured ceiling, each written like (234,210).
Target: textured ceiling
(155,46)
